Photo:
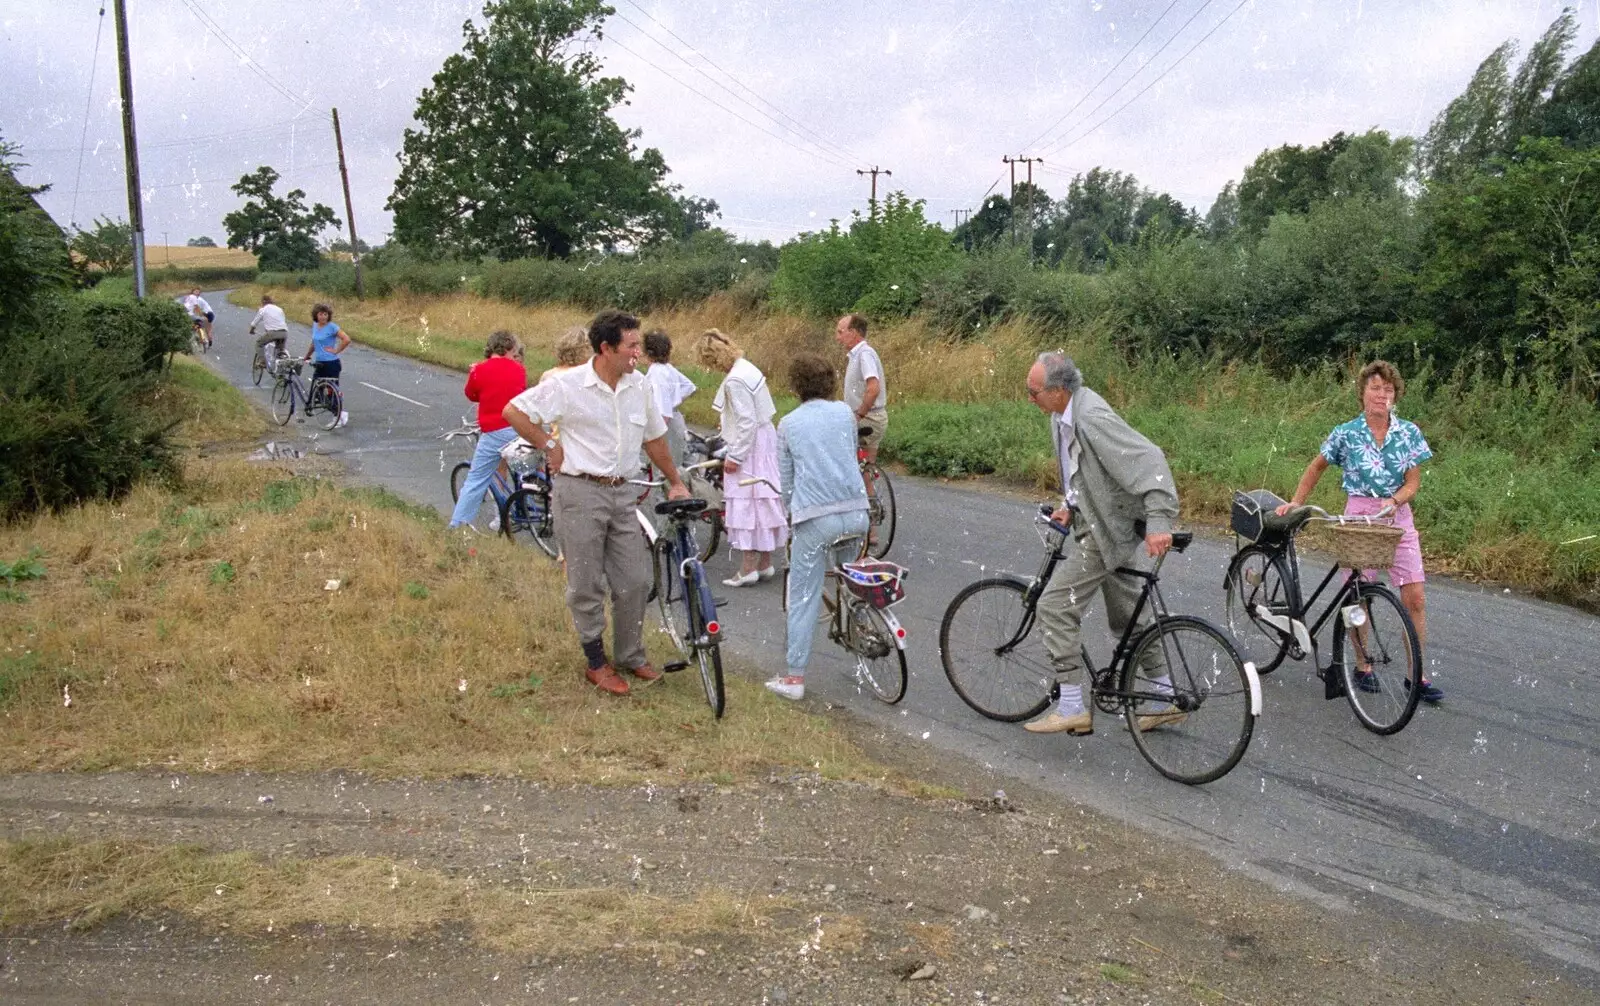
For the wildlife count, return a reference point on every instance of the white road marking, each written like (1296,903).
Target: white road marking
(391,394)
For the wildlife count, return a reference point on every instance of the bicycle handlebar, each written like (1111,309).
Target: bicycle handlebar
(1046,511)
(658,483)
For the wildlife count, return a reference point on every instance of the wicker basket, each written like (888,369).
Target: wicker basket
(1364,546)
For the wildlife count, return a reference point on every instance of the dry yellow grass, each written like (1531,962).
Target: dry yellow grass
(85,883)
(184,257)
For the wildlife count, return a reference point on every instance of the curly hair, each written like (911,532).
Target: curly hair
(501,343)
(317,309)
(658,346)
(572,348)
(1386,370)
(811,376)
(717,351)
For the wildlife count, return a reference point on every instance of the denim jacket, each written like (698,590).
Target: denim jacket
(817,461)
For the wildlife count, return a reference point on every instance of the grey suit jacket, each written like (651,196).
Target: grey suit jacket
(1119,477)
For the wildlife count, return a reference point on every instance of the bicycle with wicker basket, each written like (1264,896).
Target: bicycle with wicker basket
(1375,659)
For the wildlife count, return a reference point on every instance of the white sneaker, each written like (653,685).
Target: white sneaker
(494,523)
(791,688)
(344,419)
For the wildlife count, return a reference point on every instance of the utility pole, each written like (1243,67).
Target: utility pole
(349,209)
(168,246)
(1014,161)
(874,171)
(130,148)
(968,238)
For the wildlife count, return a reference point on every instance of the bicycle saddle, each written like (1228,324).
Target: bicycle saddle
(1181,540)
(863,431)
(1289,522)
(672,508)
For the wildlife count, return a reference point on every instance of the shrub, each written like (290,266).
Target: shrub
(878,267)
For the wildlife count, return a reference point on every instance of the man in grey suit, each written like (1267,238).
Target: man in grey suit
(1117,494)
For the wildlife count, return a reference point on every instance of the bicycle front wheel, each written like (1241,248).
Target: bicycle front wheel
(525,516)
(707,529)
(1188,699)
(1257,588)
(283,396)
(1000,675)
(707,651)
(669,595)
(880,663)
(880,508)
(1380,661)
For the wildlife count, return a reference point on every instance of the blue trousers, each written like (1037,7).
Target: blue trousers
(484,461)
(810,556)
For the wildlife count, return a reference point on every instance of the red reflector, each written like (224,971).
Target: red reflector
(900,633)
(713,628)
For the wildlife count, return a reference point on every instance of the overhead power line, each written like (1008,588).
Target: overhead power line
(208,181)
(238,50)
(88,109)
(1057,143)
(1158,79)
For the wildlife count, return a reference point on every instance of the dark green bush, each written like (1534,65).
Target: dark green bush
(149,329)
(210,276)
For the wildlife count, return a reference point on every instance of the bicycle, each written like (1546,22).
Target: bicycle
(199,341)
(705,482)
(1202,716)
(1382,675)
(520,490)
(859,616)
(880,500)
(262,360)
(289,392)
(682,592)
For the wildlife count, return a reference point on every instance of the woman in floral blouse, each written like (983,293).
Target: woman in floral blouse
(1379,454)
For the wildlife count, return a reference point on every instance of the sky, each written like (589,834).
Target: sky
(770,108)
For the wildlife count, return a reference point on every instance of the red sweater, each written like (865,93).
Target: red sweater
(492,384)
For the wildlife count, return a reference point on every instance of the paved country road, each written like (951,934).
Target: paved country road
(1482,809)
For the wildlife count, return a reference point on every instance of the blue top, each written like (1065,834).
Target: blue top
(1370,470)
(323,339)
(817,461)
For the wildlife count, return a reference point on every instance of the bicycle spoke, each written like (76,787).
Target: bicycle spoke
(1188,700)
(1380,661)
(1002,683)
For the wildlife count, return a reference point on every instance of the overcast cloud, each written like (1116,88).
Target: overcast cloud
(934,91)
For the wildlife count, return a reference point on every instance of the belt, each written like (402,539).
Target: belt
(605,480)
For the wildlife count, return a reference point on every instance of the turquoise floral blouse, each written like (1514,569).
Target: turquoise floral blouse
(1370,470)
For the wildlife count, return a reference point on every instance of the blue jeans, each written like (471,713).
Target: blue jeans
(484,461)
(809,558)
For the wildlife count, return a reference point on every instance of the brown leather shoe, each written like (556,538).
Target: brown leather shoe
(1079,725)
(606,679)
(644,672)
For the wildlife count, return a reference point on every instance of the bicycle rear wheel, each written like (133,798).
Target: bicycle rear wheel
(1188,699)
(1380,662)
(283,396)
(707,649)
(1259,579)
(1007,686)
(327,397)
(880,507)
(458,477)
(526,516)
(880,663)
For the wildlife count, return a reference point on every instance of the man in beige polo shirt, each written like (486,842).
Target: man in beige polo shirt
(606,412)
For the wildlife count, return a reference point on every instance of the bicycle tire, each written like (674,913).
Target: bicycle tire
(669,594)
(707,528)
(707,651)
(458,478)
(883,512)
(1258,576)
(526,514)
(258,367)
(880,664)
(1210,693)
(983,617)
(283,397)
(1385,703)
(326,396)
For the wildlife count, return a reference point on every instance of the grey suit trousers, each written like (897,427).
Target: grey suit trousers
(1077,578)
(603,546)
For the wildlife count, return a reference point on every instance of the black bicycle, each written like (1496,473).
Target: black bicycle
(289,393)
(518,494)
(1188,698)
(682,592)
(1375,659)
(880,499)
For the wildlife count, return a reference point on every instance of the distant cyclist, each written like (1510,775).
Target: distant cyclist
(274,330)
(327,342)
(200,311)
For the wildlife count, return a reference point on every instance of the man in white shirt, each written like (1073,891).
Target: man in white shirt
(274,329)
(607,412)
(864,388)
(198,308)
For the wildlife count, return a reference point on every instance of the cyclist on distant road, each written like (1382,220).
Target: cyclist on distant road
(274,330)
(492,384)
(327,342)
(200,311)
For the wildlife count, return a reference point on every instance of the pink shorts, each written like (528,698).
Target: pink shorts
(1407,566)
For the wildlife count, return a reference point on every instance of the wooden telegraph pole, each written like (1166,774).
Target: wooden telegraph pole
(349,208)
(130,149)
(874,171)
(1013,162)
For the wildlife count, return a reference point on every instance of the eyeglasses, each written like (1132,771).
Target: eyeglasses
(1033,394)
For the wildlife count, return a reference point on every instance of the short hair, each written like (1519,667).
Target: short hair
(717,351)
(857,324)
(266,298)
(1386,370)
(317,309)
(607,327)
(1060,371)
(658,345)
(811,376)
(572,347)
(501,343)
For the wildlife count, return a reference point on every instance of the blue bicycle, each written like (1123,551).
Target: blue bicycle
(519,492)
(682,592)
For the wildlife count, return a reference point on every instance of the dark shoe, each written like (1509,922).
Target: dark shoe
(1431,693)
(606,679)
(1367,681)
(644,672)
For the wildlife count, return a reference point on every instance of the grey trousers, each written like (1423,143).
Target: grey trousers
(603,546)
(1077,578)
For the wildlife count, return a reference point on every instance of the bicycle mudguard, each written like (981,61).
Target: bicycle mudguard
(894,627)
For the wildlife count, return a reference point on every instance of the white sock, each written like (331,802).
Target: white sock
(1071,703)
(1162,685)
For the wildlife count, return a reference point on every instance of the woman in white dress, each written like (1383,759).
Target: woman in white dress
(757,525)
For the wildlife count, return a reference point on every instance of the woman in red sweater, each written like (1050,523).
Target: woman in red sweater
(492,383)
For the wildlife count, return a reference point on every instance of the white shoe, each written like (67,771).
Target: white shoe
(742,579)
(1168,717)
(494,523)
(344,419)
(791,688)
(767,574)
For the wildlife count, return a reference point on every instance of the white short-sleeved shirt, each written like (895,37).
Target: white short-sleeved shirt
(864,364)
(602,429)
(270,319)
(670,386)
(196,305)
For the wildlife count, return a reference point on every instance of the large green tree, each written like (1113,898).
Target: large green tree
(108,245)
(516,153)
(281,230)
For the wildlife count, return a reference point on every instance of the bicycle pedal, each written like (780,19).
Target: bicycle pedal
(675,667)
